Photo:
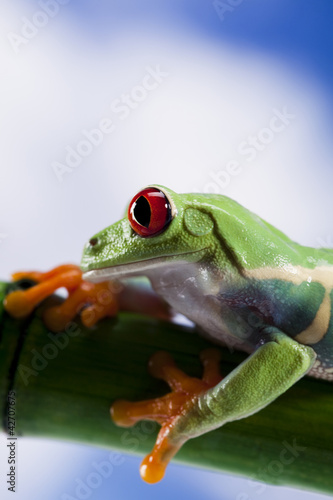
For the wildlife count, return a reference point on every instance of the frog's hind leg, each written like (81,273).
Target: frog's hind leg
(167,409)
(195,407)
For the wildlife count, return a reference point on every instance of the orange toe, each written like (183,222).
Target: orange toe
(39,276)
(18,305)
(152,470)
(153,466)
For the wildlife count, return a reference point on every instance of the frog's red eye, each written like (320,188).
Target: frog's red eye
(149,212)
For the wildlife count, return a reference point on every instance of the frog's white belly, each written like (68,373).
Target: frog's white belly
(192,290)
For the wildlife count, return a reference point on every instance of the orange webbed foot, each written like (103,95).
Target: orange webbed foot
(167,409)
(100,300)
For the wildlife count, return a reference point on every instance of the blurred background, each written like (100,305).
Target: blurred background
(100,98)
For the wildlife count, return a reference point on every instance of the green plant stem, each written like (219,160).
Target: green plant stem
(66,392)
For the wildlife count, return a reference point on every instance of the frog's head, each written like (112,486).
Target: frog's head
(161,226)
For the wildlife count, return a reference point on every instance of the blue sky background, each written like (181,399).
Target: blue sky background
(298,32)
(225,79)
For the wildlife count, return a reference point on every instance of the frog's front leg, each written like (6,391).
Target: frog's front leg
(93,301)
(195,407)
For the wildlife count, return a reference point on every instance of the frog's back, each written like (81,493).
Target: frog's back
(254,242)
(296,280)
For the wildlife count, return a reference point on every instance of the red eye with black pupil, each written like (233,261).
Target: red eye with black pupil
(149,212)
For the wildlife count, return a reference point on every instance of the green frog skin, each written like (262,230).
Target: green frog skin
(242,281)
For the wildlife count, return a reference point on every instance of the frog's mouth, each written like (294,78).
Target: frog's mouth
(143,267)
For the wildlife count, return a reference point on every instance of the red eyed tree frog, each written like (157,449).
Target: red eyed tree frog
(243,282)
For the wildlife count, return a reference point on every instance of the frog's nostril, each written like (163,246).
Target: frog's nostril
(93,242)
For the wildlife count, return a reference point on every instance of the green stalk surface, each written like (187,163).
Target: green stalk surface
(65,392)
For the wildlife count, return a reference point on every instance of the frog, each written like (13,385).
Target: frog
(242,282)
